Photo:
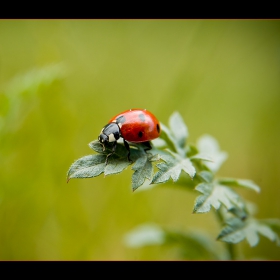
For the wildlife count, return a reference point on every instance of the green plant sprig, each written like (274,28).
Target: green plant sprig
(170,155)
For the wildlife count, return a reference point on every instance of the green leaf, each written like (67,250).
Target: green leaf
(208,145)
(154,157)
(28,84)
(237,230)
(239,183)
(206,176)
(87,167)
(143,170)
(172,168)
(214,195)
(178,129)
(201,157)
(192,245)
(272,223)
(176,135)
(240,213)
(167,137)
(94,165)
(144,235)
(159,143)
(96,146)
(195,245)
(116,165)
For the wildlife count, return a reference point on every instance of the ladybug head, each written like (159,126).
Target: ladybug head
(102,138)
(109,133)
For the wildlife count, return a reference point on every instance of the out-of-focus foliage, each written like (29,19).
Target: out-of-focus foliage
(236,230)
(221,75)
(193,245)
(24,89)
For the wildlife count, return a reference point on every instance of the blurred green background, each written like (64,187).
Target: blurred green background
(60,83)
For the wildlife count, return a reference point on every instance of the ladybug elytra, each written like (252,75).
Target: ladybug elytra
(134,125)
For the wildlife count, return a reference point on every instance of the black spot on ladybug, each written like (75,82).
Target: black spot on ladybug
(142,117)
(140,134)
(158,129)
(120,119)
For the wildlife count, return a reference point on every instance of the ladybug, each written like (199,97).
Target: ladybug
(134,125)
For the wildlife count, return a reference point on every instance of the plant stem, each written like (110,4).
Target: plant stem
(231,252)
(229,246)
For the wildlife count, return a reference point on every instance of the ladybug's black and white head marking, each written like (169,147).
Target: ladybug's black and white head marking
(109,133)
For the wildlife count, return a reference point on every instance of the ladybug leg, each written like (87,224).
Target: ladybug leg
(128,149)
(148,145)
(113,151)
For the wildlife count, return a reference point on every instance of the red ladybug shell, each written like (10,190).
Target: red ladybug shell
(138,125)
